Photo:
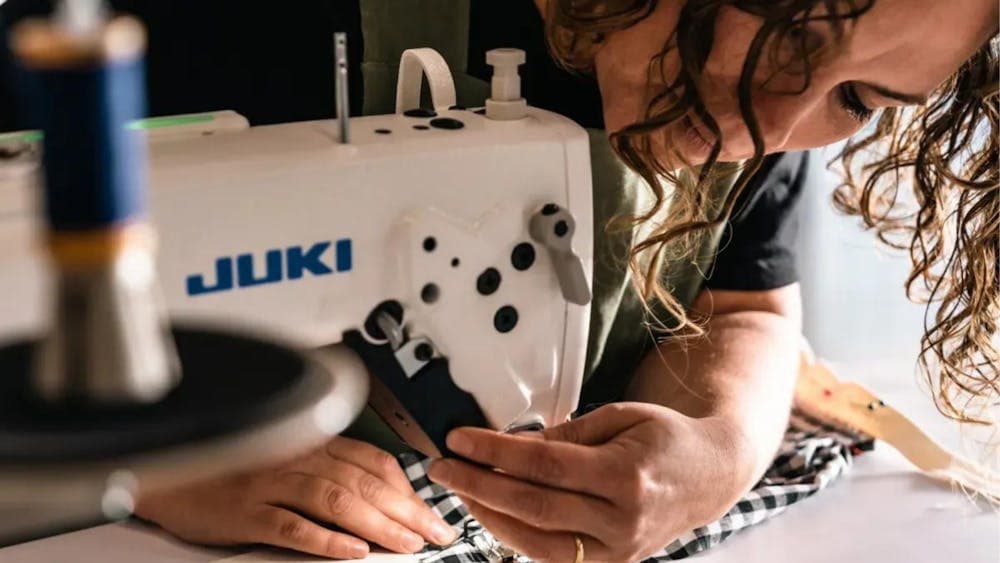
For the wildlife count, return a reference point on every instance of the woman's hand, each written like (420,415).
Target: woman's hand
(627,479)
(350,484)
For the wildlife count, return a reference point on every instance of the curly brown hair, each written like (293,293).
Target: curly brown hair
(947,150)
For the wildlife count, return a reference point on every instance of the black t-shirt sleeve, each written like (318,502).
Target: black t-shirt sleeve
(758,247)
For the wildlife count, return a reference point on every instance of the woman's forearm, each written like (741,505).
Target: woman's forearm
(741,374)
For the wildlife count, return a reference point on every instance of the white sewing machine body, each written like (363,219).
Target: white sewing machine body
(286,230)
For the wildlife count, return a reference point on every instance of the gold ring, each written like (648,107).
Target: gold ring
(579,549)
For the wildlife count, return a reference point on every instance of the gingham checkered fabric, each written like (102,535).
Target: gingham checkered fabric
(812,456)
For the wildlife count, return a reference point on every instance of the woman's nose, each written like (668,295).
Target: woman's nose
(782,114)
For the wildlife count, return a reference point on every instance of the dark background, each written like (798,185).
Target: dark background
(273,61)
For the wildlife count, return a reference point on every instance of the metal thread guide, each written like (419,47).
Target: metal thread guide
(342,100)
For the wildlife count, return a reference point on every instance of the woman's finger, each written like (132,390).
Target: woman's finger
(335,503)
(552,463)
(598,426)
(283,528)
(408,510)
(403,505)
(538,506)
(539,545)
(372,459)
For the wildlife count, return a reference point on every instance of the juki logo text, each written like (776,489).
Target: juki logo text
(292,263)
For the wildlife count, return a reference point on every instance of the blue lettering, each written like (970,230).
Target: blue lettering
(299,262)
(245,270)
(344,258)
(223,275)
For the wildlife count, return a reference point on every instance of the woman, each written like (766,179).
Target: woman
(686,83)
(778,76)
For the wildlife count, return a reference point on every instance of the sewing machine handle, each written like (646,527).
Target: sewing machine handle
(414,65)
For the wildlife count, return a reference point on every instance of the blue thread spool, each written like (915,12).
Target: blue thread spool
(83,90)
(73,403)
(83,77)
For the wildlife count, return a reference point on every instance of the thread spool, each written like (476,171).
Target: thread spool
(84,82)
(73,412)
(84,90)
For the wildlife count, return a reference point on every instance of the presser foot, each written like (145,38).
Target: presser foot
(411,385)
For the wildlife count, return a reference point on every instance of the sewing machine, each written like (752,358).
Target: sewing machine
(407,247)
(448,248)
(446,251)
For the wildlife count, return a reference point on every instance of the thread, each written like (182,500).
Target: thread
(85,85)
(82,92)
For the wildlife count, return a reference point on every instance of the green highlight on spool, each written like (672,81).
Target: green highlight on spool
(137,125)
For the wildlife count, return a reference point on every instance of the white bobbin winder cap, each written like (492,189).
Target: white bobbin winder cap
(505,102)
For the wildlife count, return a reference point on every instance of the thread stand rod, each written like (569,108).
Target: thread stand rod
(343,102)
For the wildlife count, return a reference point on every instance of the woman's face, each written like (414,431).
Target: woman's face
(895,55)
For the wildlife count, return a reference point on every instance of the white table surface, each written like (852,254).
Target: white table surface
(882,511)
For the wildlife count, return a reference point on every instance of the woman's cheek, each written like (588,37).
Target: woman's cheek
(734,32)
(623,100)
(618,114)
(820,126)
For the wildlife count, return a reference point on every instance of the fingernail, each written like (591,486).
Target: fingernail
(533,434)
(443,533)
(439,472)
(412,542)
(459,442)
(357,550)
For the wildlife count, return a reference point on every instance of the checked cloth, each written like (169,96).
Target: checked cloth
(811,457)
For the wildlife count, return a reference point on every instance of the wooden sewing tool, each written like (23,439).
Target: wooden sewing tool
(820,394)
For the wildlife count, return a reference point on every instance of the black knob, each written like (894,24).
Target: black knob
(505,319)
(523,256)
(488,282)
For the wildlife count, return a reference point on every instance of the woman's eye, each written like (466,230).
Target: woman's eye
(847,94)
